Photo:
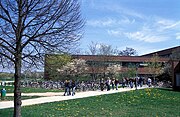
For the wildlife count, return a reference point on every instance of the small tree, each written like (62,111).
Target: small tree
(113,70)
(132,71)
(74,68)
(154,66)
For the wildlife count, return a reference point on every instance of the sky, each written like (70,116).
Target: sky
(144,25)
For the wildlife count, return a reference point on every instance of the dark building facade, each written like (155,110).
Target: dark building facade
(176,74)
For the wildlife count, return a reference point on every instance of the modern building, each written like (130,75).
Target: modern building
(166,53)
(173,54)
(98,63)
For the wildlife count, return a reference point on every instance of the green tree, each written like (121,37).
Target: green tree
(113,70)
(132,71)
(127,52)
(154,66)
(53,62)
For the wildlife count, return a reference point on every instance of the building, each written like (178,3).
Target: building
(166,53)
(98,63)
(174,59)
(176,74)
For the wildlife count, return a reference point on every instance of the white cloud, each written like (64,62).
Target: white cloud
(152,30)
(110,22)
(122,10)
(165,24)
(146,37)
(115,33)
(178,36)
(135,25)
(101,23)
(173,26)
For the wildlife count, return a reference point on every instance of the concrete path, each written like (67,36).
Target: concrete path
(52,97)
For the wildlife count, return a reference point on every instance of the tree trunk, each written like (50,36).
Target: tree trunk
(17,91)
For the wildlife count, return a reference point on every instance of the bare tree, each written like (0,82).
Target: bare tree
(93,48)
(105,49)
(29,28)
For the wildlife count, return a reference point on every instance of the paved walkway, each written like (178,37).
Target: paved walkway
(52,97)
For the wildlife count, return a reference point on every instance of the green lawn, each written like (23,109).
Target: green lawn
(10,89)
(140,103)
(10,98)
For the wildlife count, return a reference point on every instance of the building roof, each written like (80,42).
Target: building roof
(163,53)
(116,58)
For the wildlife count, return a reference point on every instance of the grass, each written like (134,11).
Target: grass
(11,98)
(140,103)
(10,89)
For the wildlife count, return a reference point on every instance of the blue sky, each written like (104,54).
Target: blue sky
(145,25)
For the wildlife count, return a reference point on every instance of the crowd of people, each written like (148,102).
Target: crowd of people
(71,86)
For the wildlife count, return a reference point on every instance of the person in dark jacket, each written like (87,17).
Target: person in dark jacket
(113,83)
(73,87)
(102,84)
(66,85)
(116,83)
(108,82)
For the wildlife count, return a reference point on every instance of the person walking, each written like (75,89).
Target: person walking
(73,87)
(123,82)
(149,82)
(113,83)
(116,83)
(70,86)
(102,84)
(66,85)
(108,81)
(131,83)
(140,81)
